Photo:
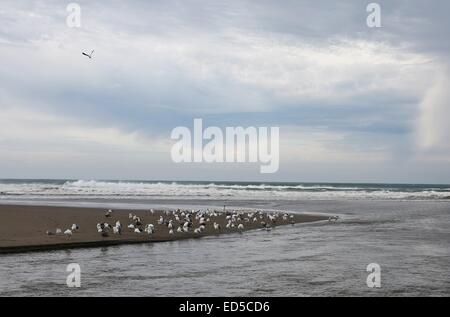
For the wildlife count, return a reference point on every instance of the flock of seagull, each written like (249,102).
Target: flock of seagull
(192,221)
(68,232)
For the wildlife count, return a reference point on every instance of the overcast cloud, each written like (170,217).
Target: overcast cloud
(353,103)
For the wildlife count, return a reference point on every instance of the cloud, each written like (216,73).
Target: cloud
(434,128)
(340,91)
(28,131)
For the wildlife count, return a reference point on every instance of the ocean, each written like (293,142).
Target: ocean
(141,190)
(402,228)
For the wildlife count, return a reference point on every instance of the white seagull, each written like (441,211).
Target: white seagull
(150,228)
(68,232)
(117,230)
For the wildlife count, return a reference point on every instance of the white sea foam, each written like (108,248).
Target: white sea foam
(203,190)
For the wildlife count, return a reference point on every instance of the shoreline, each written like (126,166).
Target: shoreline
(23,227)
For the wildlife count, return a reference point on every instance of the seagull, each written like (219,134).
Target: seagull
(150,229)
(117,230)
(241,227)
(75,227)
(58,231)
(88,55)
(216,226)
(68,232)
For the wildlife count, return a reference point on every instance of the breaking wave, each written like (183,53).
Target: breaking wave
(211,190)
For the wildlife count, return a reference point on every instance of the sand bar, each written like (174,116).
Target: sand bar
(23,228)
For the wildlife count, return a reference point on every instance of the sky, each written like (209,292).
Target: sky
(353,103)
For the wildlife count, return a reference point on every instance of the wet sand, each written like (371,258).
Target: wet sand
(23,228)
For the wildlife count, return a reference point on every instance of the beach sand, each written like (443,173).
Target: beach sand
(23,228)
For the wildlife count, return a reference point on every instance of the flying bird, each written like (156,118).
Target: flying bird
(88,55)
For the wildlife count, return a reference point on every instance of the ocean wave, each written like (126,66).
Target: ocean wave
(211,190)
(262,187)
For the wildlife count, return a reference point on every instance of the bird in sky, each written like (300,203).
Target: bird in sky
(88,55)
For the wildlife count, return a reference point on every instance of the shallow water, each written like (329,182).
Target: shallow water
(410,240)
